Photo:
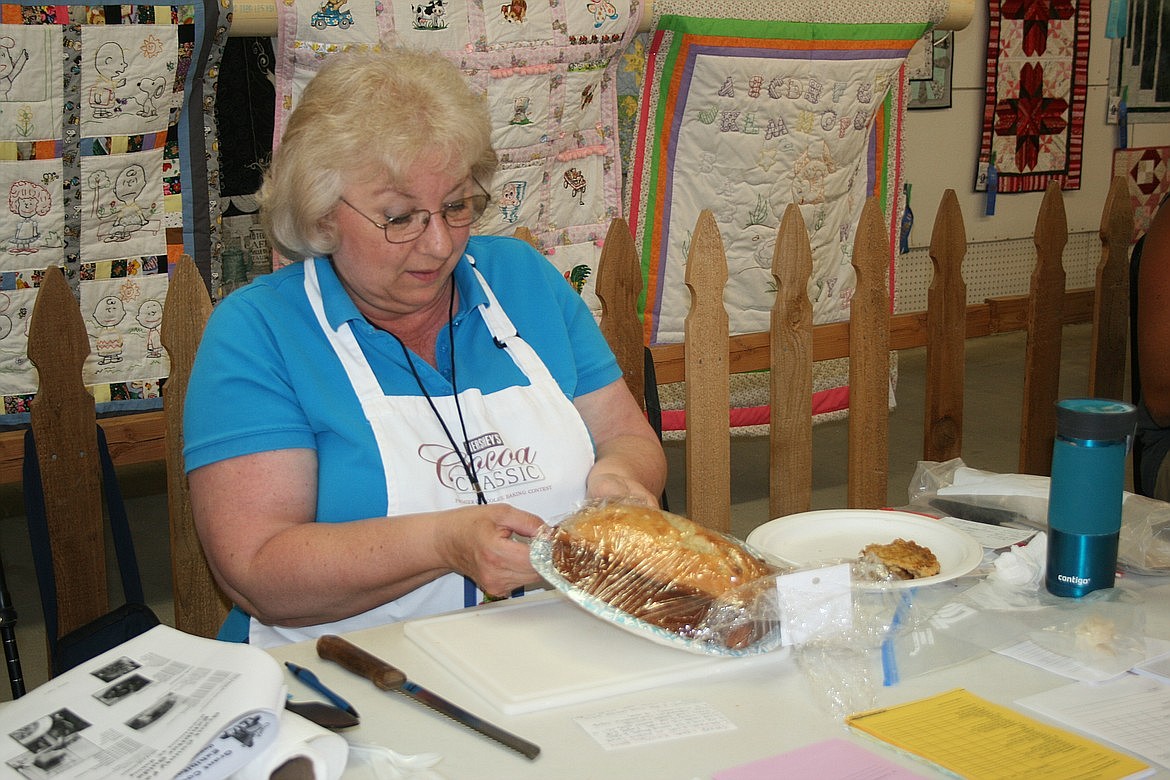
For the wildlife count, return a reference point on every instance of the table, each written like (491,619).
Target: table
(772,704)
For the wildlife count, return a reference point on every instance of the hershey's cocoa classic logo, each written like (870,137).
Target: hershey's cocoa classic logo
(498,466)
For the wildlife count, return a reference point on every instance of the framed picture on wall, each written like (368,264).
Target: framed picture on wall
(929,70)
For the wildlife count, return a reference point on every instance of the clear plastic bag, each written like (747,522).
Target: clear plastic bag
(1106,635)
(663,574)
(883,635)
(925,634)
(1144,546)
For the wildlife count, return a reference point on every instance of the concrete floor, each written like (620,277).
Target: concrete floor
(994,385)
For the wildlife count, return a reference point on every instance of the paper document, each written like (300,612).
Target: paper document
(979,740)
(1155,667)
(164,704)
(1031,653)
(1132,712)
(992,537)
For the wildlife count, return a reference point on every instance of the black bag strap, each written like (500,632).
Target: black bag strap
(653,404)
(38,537)
(38,531)
(119,525)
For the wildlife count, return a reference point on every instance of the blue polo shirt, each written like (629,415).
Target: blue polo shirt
(266,378)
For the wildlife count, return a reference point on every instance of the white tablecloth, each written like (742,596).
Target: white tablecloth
(772,705)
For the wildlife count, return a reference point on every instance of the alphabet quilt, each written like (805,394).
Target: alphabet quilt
(107,158)
(744,116)
(766,114)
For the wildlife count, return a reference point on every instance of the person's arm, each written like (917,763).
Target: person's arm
(630,461)
(1154,318)
(256,519)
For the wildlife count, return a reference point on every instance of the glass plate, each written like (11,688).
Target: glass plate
(541,556)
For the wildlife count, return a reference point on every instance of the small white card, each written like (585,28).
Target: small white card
(814,600)
(1158,668)
(644,724)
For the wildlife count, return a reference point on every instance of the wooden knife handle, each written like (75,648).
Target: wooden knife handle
(341,651)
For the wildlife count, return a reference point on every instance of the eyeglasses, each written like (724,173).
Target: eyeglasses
(407,227)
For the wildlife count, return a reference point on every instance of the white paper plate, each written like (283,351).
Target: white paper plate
(540,554)
(809,538)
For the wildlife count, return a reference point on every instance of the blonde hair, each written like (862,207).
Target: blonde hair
(366,114)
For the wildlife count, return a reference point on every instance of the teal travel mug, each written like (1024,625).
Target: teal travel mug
(1093,436)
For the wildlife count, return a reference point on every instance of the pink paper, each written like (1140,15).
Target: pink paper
(832,759)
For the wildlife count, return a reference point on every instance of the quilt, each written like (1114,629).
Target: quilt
(768,113)
(1147,172)
(548,71)
(1037,83)
(1138,63)
(108,161)
(744,116)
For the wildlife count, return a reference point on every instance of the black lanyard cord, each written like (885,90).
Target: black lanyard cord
(467,462)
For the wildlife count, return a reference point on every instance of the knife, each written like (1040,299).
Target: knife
(988,515)
(390,678)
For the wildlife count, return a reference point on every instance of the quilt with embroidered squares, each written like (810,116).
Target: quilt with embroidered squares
(106,157)
(547,69)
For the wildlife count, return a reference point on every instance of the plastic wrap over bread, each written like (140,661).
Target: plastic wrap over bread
(663,576)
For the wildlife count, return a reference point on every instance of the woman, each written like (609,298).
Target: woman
(372,433)
(1153,325)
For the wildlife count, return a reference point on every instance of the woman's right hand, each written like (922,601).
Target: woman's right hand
(477,541)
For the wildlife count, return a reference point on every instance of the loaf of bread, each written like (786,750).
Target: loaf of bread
(660,568)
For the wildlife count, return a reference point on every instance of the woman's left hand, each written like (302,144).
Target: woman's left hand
(629,458)
(615,486)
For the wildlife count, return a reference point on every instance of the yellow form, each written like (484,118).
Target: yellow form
(979,740)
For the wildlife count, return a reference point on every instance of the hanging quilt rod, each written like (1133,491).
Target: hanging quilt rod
(257,18)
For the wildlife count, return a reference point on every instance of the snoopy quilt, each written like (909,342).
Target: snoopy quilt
(106,156)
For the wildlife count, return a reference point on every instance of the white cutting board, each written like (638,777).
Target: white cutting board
(539,652)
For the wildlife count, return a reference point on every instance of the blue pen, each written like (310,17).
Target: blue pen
(311,680)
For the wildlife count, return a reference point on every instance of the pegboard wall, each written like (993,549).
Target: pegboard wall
(994,268)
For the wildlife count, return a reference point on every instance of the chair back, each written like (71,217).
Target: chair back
(200,605)
(64,423)
(619,283)
(8,618)
(1045,329)
(946,335)
(1111,303)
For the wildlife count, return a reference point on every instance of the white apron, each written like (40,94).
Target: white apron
(530,446)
